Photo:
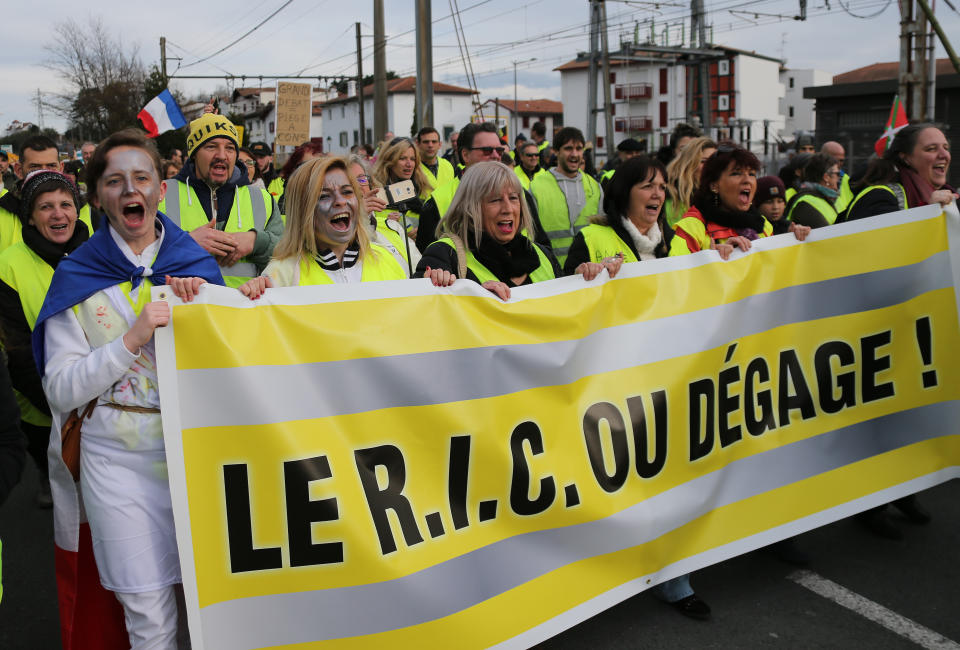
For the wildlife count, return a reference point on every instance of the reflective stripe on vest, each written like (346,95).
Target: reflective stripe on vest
(818,203)
(26,273)
(379,265)
(555,215)
(894,188)
(185,210)
(542,273)
(789,194)
(603,242)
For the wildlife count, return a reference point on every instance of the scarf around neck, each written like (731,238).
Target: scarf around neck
(51,252)
(742,222)
(646,245)
(506,261)
(100,264)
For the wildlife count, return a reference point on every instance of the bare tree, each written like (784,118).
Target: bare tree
(104,82)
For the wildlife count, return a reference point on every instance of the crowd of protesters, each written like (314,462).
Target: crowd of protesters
(77,322)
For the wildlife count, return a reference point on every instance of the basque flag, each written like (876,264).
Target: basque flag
(161,114)
(896,121)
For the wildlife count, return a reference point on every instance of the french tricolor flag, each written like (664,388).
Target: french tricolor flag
(161,114)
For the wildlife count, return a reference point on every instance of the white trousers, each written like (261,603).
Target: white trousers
(156,620)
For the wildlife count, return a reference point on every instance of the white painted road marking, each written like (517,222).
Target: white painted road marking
(922,636)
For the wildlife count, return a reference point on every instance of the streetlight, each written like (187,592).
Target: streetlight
(516,102)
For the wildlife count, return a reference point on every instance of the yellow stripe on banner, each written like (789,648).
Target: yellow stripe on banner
(225,337)
(423,436)
(541,599)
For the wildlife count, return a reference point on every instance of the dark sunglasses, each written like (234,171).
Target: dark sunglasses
(489,150)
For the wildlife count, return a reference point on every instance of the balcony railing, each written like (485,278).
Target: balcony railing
(633,92)
(633,124)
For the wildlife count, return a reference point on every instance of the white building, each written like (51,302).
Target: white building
(650,96)
(259,111)
(799,113)
(452,108)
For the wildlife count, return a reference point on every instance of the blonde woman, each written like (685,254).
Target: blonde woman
(683,175)
(324,241)
(400,161)
(481,236)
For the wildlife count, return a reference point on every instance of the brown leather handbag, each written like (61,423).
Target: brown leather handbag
(70,438)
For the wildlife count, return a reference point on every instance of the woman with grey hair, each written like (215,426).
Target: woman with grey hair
(485,236)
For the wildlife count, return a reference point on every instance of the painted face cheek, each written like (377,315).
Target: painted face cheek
(324,205)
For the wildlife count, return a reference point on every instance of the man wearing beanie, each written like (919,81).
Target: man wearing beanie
(211,199)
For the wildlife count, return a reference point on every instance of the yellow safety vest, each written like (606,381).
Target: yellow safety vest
(444,175)
(555,215)
(820,204)
(276,187)
(183,207)
(789,194)
(443,196)
(390,234)
(524,179)
(542,273)
(846,194)
(603,242)
(894,188)
(696,227)
(26,273)
(380,264)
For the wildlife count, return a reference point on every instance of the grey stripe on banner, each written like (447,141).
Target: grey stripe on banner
(267,394)
(467,580)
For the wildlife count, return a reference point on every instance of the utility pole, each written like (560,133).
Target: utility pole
(163,58)
(592,73)
(914,77)
(698,30)
(607,102)
(379,73)
(40,109)
(515,119)
(424,64)
(363,125)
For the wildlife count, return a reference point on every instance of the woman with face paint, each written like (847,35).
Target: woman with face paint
(93,343)
(324,242)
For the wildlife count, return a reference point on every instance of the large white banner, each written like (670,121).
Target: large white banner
(396,465)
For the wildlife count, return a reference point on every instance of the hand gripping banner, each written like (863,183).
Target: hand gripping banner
(396,465)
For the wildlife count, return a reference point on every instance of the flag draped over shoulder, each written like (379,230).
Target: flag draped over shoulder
(161,114)
(896,121)
(99,264)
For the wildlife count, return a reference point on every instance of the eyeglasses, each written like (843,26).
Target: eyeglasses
(489,150)
(248,163)
(363,179)
(532,155)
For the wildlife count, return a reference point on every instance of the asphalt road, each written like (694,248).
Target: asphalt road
(755,603)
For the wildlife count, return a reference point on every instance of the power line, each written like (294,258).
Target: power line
(255,28)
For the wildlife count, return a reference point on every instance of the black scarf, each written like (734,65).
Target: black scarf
(731,218)
(511,260)
(50,252)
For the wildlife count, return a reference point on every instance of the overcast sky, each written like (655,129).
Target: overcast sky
(318,36)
